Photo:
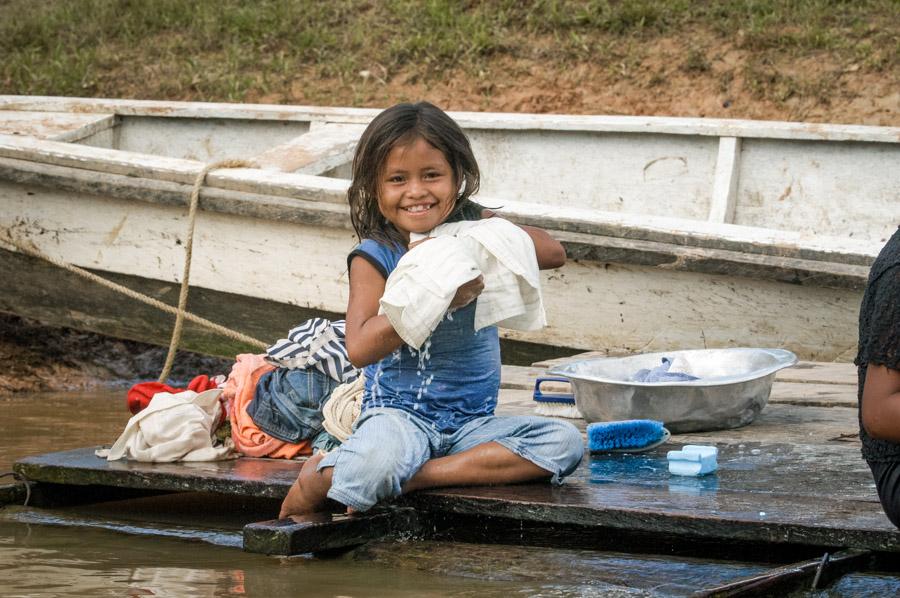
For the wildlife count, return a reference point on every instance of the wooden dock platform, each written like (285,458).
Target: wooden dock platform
(793,478)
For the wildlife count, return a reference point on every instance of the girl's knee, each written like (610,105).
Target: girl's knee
(571,445)
(380,457)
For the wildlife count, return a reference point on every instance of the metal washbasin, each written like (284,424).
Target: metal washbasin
(733,386)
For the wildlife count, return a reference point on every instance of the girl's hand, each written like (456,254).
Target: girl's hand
(467,292)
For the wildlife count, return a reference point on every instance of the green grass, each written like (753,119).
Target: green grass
(223,49)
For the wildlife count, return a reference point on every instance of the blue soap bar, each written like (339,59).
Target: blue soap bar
(693,460)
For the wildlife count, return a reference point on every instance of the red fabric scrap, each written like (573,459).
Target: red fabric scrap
(140,394)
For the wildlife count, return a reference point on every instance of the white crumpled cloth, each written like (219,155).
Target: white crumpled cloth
(342,408)
(419,290)
(173,427)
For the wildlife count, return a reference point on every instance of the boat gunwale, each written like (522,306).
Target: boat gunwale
(663,125)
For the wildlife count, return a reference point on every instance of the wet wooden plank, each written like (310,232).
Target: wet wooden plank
(520,377)
(814,394)
(326,531)
(812,574)
(754,470)
(761,493)
(779,466)
(268,478)
(665,510)
(789,424)
(820,373)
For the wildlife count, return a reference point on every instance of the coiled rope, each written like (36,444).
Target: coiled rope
(179,312)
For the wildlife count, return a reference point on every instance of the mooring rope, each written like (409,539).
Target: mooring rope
(188,254)
(25,481)
(179,312)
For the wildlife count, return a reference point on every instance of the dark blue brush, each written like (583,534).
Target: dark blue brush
(626,436)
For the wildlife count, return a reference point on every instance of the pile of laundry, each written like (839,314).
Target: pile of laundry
(301,396)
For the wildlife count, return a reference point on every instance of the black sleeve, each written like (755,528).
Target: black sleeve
(880,341)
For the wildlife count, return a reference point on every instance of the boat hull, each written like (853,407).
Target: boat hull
(261,277)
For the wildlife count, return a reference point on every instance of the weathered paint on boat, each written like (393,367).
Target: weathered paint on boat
(682,233)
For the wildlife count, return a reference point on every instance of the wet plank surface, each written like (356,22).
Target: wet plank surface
(268,478)
(794,476)
(325,531)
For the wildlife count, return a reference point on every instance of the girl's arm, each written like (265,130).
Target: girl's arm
(881,403)
(549,251)
(369,336)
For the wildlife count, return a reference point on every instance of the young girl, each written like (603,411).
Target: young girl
(427,417)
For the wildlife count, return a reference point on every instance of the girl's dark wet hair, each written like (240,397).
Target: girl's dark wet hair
(400,125)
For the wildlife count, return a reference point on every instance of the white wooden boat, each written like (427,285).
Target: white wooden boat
(682,233)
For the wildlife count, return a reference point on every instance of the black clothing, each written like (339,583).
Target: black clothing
(879,343)
(887,480)
(879,336)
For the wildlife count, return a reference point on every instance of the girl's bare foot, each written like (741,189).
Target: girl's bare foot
(309,493)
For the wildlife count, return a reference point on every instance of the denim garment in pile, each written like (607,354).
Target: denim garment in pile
(287,404)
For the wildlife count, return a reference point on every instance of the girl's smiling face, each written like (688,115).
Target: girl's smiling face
(417,188)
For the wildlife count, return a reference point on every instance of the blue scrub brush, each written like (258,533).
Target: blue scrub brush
(626,436)
(554,404)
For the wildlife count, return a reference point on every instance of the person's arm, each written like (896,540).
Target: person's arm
(369,337)
(550,252)
(881,403)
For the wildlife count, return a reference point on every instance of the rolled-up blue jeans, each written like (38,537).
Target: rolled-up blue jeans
(388,446)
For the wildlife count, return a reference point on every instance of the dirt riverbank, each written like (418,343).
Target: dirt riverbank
(40,358)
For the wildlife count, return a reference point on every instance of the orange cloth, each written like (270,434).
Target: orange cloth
(248,439)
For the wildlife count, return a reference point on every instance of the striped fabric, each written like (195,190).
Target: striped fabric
(315,343)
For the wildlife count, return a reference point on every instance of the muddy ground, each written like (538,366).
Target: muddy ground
(40,358)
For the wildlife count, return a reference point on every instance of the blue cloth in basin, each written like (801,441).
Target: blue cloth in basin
(661,373)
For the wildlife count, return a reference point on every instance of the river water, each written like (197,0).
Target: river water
(183,545)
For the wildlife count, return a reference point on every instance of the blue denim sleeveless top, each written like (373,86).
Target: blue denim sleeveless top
(454,379)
